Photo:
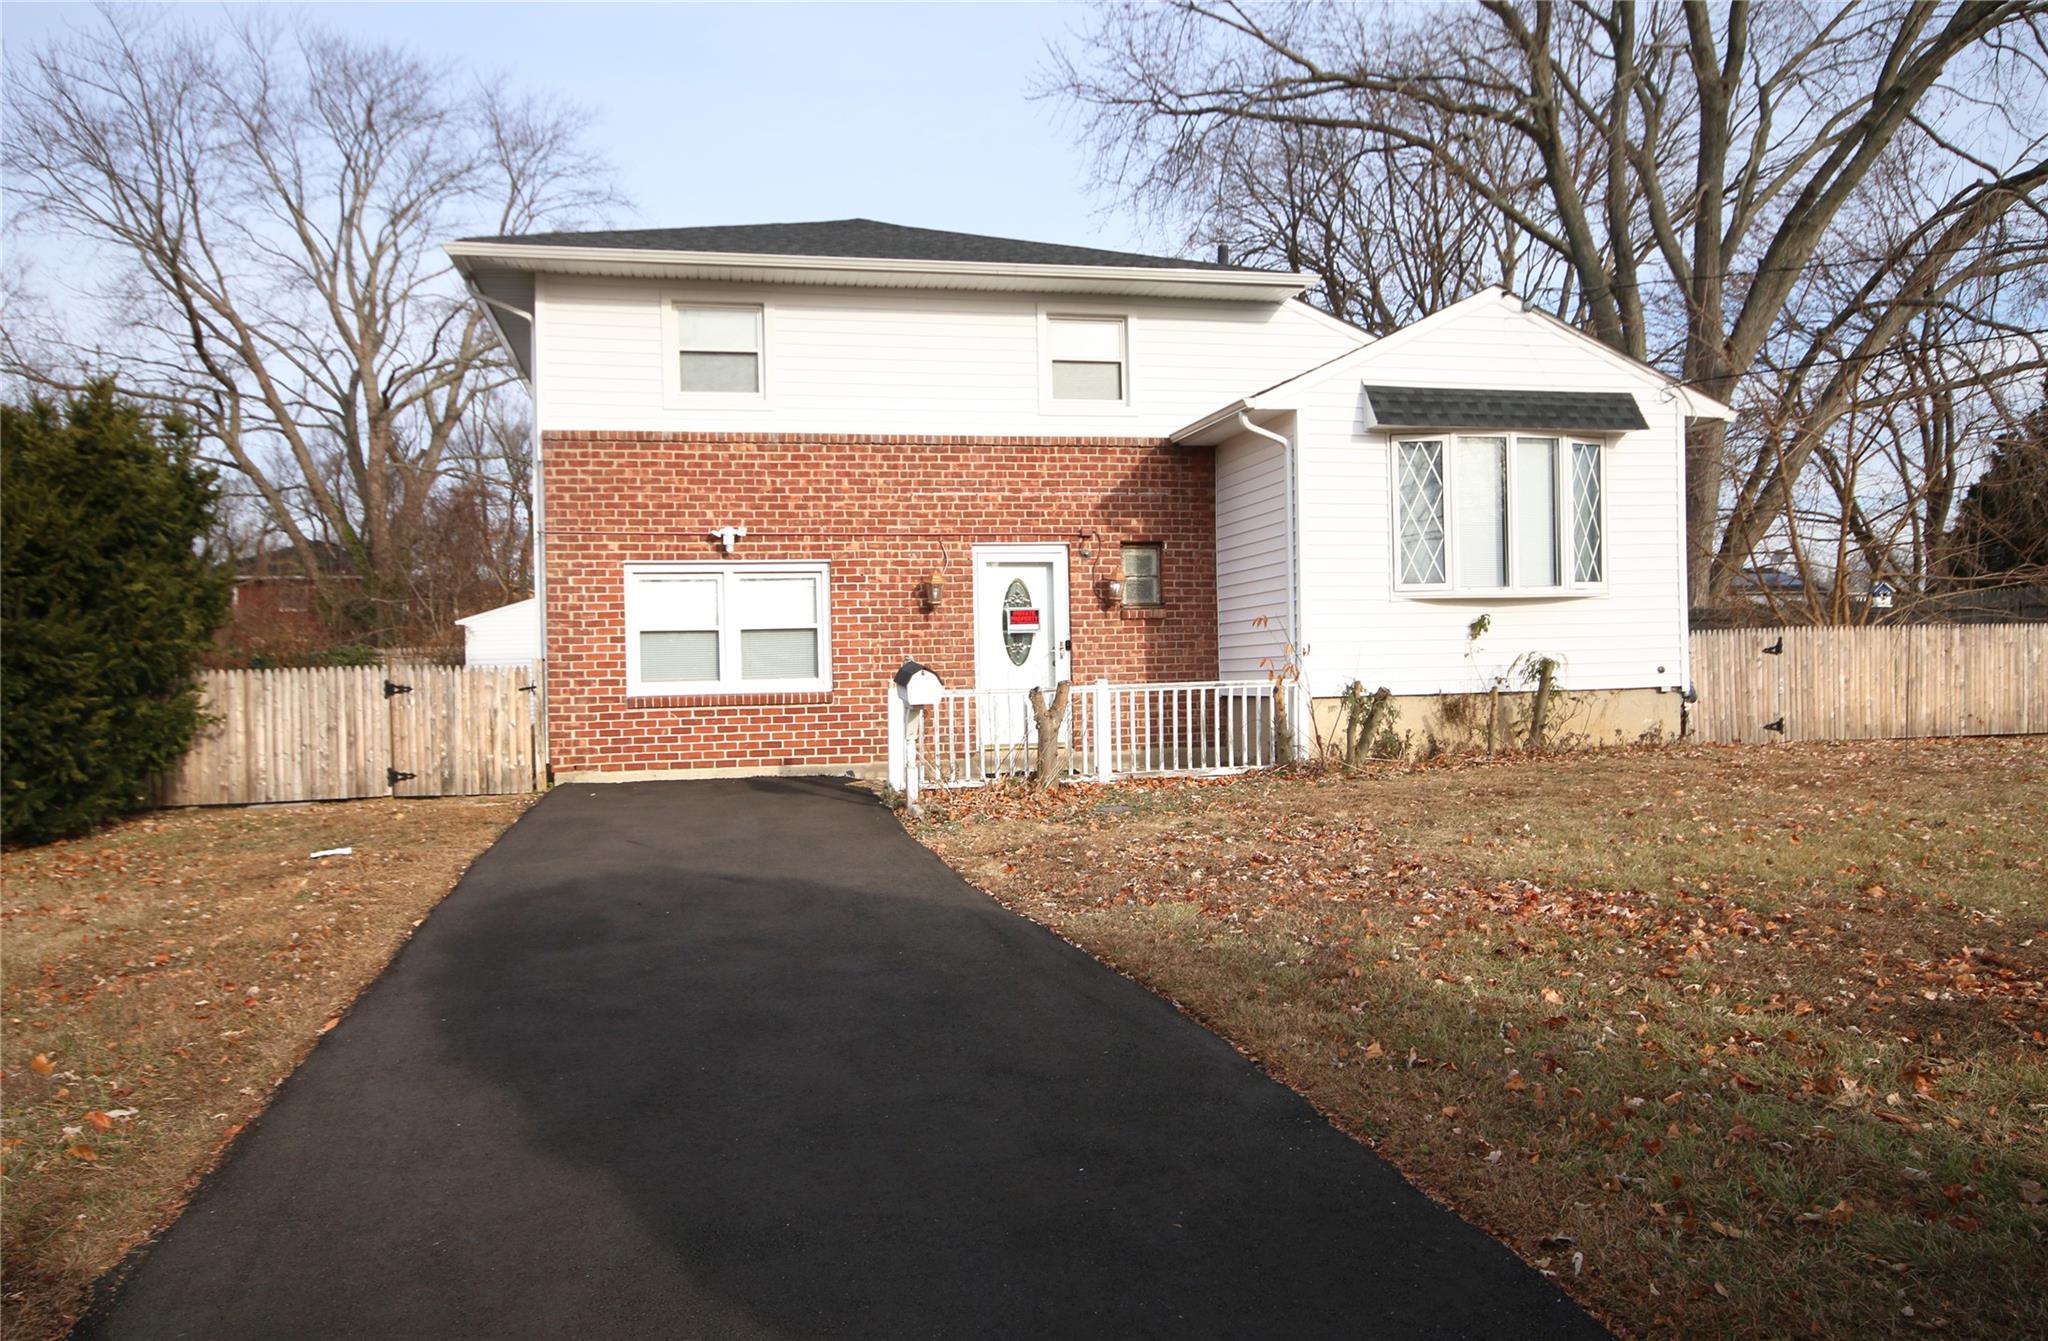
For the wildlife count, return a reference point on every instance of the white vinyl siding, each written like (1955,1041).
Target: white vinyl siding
(1624,627)
(727,628)
(1251,558)
(850,360)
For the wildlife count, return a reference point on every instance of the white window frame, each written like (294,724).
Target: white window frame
(673,396)
(1565,533)
(728,683)
(1053,312)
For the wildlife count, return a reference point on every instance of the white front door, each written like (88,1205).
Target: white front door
(1021,639)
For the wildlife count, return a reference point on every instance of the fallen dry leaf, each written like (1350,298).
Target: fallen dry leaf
(42,1065)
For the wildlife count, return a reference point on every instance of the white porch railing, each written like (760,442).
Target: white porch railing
(1192,728)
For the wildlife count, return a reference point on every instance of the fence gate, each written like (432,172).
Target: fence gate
(342,732)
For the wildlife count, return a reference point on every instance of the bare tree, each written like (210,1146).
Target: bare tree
(267,201)
(1682,166)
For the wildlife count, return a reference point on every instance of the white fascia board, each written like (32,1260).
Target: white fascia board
(1238,285)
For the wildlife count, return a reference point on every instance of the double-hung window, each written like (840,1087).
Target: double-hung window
(1088,359)
(740,628)
(719,350)
(1488,513)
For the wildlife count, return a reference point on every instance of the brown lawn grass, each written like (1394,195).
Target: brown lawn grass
(1735,1042)
(160,979)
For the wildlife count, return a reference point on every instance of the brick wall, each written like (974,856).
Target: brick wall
(885,512)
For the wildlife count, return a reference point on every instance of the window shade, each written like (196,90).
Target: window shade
(1481,503)
(1535,528)
(721,328)
(679,657)
(1087,340)
(778,654)
(1087,381)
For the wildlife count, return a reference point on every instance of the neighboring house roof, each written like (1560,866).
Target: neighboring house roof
(1463,407)
(515,610)
(867,239)
(282,561)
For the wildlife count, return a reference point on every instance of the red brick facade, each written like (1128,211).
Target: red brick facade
(885,512)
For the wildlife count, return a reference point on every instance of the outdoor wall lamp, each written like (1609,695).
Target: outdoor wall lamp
(933,591)
(1113,589)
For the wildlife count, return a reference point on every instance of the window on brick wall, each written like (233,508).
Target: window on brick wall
(733,628)
(1141,574)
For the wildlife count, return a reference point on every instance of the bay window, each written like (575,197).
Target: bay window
(736,628)
(1498,513)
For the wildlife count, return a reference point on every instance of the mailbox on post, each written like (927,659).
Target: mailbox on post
(920,685)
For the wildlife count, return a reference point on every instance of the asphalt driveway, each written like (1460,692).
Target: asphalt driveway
(733,1059)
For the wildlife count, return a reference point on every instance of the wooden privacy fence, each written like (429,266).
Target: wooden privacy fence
(1870,683)
(338,732)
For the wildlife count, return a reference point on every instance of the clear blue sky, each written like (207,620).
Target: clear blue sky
(913,113)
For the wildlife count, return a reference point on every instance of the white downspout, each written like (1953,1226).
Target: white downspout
(540,567)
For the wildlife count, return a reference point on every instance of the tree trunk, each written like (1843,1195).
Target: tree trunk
(1045,724)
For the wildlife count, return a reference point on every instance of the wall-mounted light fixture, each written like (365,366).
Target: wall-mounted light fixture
(933,591)
(1113,588)
(729,536)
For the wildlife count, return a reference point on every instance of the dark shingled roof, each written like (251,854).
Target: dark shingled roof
(1462,407)
(863,239)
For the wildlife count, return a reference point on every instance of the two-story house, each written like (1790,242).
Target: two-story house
(777,461)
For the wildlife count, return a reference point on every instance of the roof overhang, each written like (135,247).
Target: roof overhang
(1252,286)
(1433,407)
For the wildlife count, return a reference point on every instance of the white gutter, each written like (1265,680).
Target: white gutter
(535,256)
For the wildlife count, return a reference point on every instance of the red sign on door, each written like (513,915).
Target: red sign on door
(1020,621)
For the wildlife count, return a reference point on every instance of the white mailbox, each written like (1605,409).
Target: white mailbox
(920,685)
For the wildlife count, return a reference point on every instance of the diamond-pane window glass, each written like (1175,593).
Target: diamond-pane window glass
(1480,493)
(720,349)
(1420,471)
(1141,574)
(1589,560)
(1535,522)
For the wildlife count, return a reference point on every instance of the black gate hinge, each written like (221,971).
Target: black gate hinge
(1777,726)
(390,689)
(392,777)
(1776,649)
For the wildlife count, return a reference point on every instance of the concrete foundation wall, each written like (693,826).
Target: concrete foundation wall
(1432,723)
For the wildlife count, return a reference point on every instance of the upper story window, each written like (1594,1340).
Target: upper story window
(1089,358)
(736,628)
(1498,512)
(719,349)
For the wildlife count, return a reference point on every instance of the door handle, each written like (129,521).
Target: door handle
(1066,644)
